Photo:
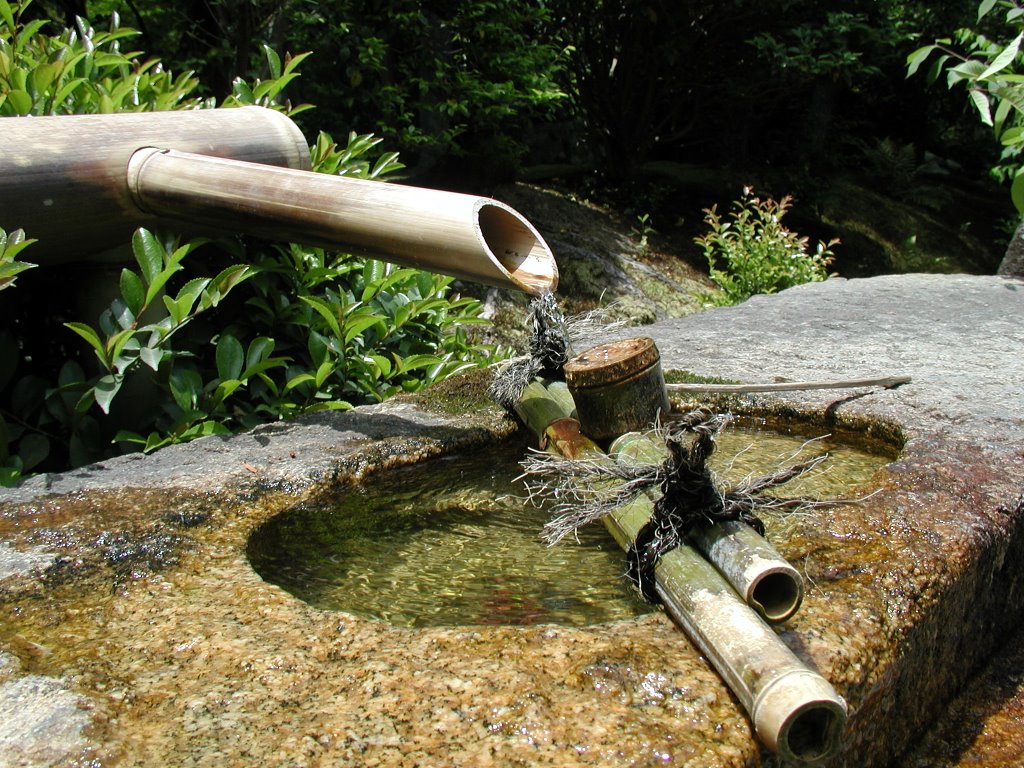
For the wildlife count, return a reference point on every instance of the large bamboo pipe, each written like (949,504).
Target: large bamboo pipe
(80,184)
(474,238)
(795,711)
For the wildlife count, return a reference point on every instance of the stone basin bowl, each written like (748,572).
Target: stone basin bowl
(135,632)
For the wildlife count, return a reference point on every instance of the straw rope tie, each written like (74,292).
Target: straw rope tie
(689,499)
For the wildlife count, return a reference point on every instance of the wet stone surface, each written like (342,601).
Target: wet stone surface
(135,632)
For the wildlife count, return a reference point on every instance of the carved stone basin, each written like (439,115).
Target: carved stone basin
(136,632)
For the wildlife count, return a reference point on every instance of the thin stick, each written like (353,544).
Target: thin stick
(790,386)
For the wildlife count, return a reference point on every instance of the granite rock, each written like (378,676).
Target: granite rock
(135,607)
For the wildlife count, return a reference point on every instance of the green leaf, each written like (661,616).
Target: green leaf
(325,311)
(298,380)
(984,7)
(203,429)
(115,344)
(266,364)
(968,70)
(7,14)
(9,476)
(292,62)
(373,272)
(419,361)
(126,436)
(230,357)
(323,373)
(151,357)
(355,327)
(917,58)
(33,450)
(982,104)
(133,291)
(259,349)
(90,335)
(1012,94)
(105,390)
(1004,59)
(20,101)
(149,253)
(1017,191)
(222,284)
(160,280)
(273,61)
(225,389)
(330,405)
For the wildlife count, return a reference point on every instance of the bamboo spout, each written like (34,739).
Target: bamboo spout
(473,238)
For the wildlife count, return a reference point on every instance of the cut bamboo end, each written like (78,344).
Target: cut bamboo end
(800,716)
(517,247)
(761,576)
(618,387)
(765,580)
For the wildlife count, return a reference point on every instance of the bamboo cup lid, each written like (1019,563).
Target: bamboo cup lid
(611,362)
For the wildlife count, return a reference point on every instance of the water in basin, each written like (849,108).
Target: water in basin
(450,541)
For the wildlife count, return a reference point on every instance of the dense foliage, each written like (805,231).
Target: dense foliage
(986,59)
(485,85)
(296,329)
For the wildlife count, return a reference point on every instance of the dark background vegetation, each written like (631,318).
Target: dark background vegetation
(654,106)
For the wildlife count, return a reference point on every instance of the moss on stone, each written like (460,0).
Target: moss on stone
(463,395)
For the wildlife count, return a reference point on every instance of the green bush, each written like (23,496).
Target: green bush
(752,252)
(989,66)
(222,335)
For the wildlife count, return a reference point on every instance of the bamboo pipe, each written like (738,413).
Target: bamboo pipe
(473,238)
(795,711)
(762,577)
(81,184)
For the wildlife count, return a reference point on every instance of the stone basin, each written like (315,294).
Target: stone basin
(135,631)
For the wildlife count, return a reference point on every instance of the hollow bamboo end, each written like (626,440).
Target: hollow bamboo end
(801,717)
(518,248)
(776,593)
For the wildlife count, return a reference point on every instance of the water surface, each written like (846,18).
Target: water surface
(451,542)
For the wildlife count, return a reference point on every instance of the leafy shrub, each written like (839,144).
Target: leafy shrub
(753,252)
(302,329)
(990,70)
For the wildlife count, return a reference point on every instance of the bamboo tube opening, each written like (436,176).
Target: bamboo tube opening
(776,595)
(517,247)
(811,734)
(800,717)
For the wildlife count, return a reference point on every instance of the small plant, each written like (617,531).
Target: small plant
(644,229)
(752,252)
